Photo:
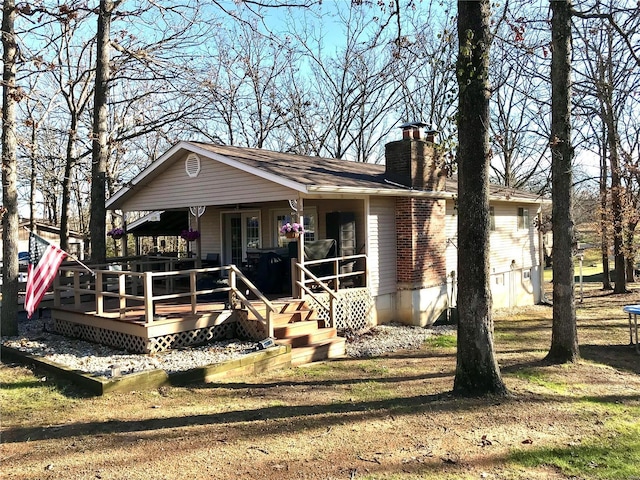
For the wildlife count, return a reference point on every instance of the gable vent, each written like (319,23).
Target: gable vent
(192,165)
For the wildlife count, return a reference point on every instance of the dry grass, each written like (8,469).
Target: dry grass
(389,417)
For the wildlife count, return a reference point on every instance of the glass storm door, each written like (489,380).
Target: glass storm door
(242,231)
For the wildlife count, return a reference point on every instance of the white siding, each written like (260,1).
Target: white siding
(381,247)
(514,257)
(216,184)
(510,245)
(210,238)
(513,254)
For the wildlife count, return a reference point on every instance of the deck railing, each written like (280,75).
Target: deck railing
(328,276)
(135,289)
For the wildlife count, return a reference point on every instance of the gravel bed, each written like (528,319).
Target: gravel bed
(392,337)
(35,338)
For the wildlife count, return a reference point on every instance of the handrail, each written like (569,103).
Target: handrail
(332,296)
(127,291)
(270,308)
(323,282)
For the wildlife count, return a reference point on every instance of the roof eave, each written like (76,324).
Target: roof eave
(393,192)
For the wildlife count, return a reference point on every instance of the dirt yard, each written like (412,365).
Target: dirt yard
(391,417)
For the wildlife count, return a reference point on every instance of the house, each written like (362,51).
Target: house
(49,232)
(402,215)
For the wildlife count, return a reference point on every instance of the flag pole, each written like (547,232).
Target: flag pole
(72,257)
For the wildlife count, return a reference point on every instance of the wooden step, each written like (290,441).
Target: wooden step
(295,329)
(291,317)
(294,305)
(310,338)
(332,348)
(287,312)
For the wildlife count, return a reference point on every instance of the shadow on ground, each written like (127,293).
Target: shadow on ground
(621,357)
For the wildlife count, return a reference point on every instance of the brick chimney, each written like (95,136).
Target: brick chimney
(420,226)
(412,161)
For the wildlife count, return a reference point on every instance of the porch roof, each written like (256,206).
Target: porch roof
(170,222)
(304,174)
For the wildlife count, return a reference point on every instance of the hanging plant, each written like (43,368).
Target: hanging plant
(291,230)
(190,235)
(116,233)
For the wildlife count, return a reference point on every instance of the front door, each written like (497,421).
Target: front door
(241,231)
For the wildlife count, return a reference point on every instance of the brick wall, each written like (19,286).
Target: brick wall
(421,241)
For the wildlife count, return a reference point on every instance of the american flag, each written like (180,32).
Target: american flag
(44,261)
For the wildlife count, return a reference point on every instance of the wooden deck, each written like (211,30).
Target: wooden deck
(148,312)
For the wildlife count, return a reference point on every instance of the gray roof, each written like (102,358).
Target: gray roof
(304,169)
(309,174)
(331,172)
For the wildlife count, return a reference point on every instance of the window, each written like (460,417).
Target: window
(283,216)
(523,218)
(492,219)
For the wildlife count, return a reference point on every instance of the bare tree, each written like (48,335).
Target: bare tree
(564,338)
(34,110)
(10,96)
(424,73)
(477,370)
(244,85)
(608,80)
(100,152)
(352,90)
(74,76)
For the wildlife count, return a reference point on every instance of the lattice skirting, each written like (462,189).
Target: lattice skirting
(353,308)
(136,344)
(249,329)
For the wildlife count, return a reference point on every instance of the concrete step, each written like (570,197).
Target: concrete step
(307,339)
(332,348)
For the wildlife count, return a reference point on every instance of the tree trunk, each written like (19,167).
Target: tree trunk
(33,182)
(66,183)
(10,220)
(100,154)
(564,339)
(620,279)
(604,223)
(630,250)
(477,370)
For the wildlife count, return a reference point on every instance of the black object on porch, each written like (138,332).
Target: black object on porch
(272,273)
(317,250)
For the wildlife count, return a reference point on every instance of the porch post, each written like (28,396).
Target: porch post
(125,242)
(299,274)
(198,242)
